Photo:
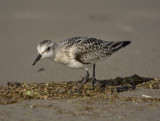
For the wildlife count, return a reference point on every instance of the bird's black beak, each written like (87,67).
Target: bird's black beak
(37,59)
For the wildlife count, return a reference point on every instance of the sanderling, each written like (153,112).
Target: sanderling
(79,52)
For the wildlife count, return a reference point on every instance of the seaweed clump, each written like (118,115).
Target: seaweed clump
(152,84)
(15,91)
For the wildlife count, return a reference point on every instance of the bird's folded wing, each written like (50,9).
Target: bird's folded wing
(93,50)
(90,57)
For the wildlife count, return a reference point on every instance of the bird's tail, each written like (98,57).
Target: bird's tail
(115,46)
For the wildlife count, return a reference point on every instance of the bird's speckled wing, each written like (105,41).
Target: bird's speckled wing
(92,50)
(72,41)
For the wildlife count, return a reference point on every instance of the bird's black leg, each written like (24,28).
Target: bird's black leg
(93,77)
(84,80)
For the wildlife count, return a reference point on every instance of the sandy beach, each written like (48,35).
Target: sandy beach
(23,24)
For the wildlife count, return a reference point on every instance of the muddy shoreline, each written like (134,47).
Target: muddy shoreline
(16,92)
(115,99)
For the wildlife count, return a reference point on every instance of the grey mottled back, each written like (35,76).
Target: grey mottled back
(92,50)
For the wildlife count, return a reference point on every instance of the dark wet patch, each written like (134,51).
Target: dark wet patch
(16,91)
(41,69)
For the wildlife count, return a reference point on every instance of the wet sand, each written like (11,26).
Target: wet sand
(26,23)
(80,110)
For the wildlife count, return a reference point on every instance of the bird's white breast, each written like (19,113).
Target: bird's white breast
(67,57)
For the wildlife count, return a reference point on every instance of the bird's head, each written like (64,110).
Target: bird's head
(46,49)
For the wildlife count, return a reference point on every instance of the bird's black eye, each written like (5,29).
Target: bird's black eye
(48,48)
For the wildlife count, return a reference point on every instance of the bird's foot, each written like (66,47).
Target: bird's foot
(93,80)
(84,80)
